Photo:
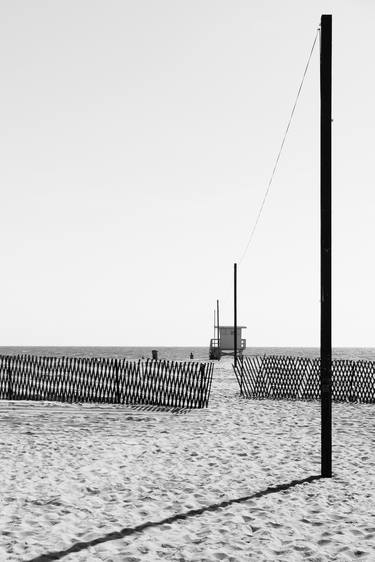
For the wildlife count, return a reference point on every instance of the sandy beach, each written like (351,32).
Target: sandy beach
(77,479)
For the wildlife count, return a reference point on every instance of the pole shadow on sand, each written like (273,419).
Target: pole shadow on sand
(127,531)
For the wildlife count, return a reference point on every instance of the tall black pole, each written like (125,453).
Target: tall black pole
(325,245)
(235,315)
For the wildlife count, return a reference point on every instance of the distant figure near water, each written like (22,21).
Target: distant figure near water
(191,356)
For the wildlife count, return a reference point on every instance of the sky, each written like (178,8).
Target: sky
(137,140)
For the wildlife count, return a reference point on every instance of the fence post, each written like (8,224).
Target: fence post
(118,393)
(352,372)
(201,402)
(241,378)
(9,376)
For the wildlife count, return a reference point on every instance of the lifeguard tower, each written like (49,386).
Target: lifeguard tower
(224,343)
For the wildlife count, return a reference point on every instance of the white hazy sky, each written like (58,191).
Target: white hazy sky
(137,139)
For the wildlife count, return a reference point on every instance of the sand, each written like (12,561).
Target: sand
(72,475)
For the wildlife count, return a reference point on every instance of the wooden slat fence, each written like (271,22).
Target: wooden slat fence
(298,378)
(106,380)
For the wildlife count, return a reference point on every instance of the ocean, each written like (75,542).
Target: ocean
(182,353)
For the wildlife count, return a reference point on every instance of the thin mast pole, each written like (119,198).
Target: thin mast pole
(325,245)
(218,324)
(235,315)
(214,323)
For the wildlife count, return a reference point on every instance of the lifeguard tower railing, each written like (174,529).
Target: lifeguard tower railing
(215,343)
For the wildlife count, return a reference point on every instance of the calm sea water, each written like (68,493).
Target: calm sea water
(183,353)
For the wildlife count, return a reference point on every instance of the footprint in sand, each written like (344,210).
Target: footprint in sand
(221,556)
(360,553)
